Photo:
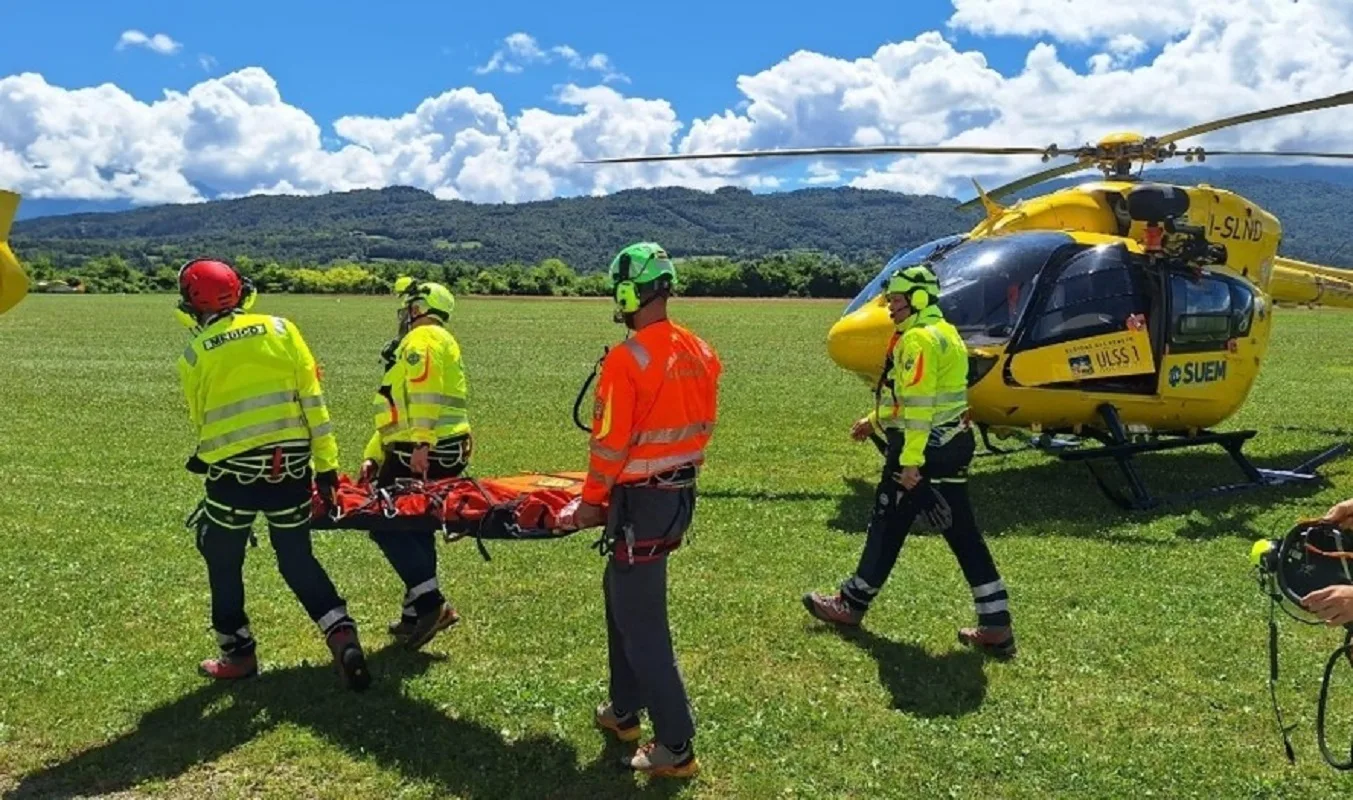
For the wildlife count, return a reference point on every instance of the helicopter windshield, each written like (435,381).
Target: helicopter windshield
(906,259)
(984,283)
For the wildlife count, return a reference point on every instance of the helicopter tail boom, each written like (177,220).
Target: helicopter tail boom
(1310,284)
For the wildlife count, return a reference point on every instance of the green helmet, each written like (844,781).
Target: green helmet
(638,265)
(918,283)
(435,299)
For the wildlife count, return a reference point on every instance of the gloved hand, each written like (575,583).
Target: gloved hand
(369,470)
(934,509)
(388,353)
(196,465)
(327,483)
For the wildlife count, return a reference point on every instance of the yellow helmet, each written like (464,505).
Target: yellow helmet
(434,298)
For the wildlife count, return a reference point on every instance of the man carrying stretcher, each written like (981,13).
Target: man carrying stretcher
(423,432)
(656,403)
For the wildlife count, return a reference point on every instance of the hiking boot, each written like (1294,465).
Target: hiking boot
(997,642)
(229,667)
(349,658)
(626,728)
(832,609)
(414,632)
(656,760)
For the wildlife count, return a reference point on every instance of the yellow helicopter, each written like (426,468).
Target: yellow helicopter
(1133,313)
(13,280)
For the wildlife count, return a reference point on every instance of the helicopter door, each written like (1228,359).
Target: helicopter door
(1210,320)
(1088,326)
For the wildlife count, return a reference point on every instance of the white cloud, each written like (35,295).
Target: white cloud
(237,134)
(521,49)
(207,62)
(160,43)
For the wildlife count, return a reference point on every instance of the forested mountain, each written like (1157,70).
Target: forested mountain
(584,232)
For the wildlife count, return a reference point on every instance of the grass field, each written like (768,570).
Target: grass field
(1142,667)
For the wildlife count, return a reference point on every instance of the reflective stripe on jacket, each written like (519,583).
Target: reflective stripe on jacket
(656,405)
(250,381)
(929,380)
(424,394)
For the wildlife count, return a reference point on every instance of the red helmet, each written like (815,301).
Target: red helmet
(210,287)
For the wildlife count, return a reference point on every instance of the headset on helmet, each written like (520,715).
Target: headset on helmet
(639,265)
(1312,555)
(212,288)
(918,283)
(434,297)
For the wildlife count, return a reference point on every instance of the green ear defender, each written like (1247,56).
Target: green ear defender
(626,294)
(918,283)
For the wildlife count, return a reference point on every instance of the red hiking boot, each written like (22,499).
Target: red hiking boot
(349,658)
(996,642)
(832,609)
(229,667)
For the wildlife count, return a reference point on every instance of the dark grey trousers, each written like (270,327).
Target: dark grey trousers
(643,666)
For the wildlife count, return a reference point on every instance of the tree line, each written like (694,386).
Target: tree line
(794,274)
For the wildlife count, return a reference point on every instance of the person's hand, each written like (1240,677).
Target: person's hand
(909,478)
(578,515)
(589,516)
(1334,604)
(1341,514)
(419,462)
(369,470)
(327,483)
(861,429)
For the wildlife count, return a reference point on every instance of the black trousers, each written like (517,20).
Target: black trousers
(223,523)
(642,661)
(942,495)
(413,555)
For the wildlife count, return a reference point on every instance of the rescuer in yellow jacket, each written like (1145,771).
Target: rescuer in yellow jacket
(423,431)
(254,398)
(924,416)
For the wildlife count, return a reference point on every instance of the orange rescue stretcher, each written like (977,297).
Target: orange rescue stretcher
(526,506)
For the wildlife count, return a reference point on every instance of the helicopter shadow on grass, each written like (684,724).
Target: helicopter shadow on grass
(383,725)
(1066,499)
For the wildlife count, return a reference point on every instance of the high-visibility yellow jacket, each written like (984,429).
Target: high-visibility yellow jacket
(928,383)
(424,395)
(250,381)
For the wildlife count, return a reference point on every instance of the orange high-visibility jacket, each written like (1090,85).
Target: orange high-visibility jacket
(656,403)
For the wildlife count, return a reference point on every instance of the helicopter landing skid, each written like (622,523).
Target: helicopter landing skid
(1120,448)
(1043,442)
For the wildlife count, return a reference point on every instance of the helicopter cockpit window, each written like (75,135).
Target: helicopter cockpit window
(914,256)
(1095,293)
(985,283)
(1208,311)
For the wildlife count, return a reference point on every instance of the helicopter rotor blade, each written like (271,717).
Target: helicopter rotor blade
(1027,181)
(828,151)
(1274,153)
(1341,99)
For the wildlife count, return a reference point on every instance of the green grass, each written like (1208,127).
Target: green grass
(1142,668)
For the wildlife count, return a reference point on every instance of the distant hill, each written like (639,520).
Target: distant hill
(410,224)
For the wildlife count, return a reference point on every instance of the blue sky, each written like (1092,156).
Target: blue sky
(342,58)
(303,97)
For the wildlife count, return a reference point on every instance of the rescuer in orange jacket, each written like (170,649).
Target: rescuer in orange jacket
(656,403)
